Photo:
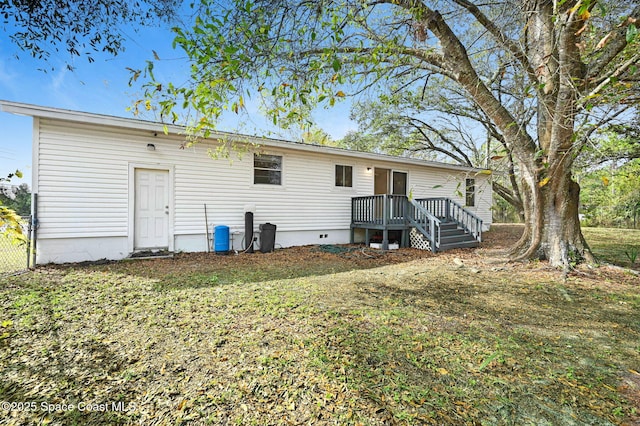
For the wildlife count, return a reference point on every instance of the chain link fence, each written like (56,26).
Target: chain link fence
(15,258)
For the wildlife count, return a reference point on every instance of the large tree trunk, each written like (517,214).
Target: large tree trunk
(552,227)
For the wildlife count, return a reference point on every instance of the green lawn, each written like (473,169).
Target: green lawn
(614,245)
(303,337)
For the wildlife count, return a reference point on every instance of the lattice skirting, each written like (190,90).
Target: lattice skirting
(418,240)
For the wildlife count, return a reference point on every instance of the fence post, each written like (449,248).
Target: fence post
(29,230)
(35,228)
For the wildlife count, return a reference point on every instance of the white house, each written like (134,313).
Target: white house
(109,186)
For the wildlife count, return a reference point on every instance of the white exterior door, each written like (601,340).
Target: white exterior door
(151,221)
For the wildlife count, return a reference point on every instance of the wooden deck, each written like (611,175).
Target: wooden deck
(443,222)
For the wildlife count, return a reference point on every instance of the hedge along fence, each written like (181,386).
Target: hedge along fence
(14,257)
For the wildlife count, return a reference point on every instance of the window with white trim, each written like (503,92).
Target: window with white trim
(267,169)
(470,196)
(344,176)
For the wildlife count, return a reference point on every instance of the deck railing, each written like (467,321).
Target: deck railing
(425,214)
(450,211)
(379,209)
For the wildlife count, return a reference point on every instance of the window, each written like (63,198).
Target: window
(470,198)
(399,186)
(344,176)
(267,169)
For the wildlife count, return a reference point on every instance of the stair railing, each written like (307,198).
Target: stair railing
(426,223)
(451,211)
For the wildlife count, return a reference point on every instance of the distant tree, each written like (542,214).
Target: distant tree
(10,225)
(78,27)
(610,178)
(316,136)
(17,198)
(440,123)
(620,142)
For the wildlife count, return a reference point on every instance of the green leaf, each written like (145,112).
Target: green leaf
(632,33)
(336,65)
(487,361)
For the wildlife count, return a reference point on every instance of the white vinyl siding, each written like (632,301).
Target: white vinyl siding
(82,187)
(83,183)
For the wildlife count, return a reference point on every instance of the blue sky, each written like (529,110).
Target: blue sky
(102,87)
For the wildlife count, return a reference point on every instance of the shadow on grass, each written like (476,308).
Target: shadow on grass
(422,343)
(58,370)
(203,270)
(454,353)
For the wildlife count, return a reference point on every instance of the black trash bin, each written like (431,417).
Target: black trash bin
(267,237)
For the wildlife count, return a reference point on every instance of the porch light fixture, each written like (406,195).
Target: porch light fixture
(369,169)
(151,147)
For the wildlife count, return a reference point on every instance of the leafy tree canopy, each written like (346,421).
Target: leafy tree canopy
(17,198)
(611,195)
(78,27)
(620,142)
(10,222)
(546,75)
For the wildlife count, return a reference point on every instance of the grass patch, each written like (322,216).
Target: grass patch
(330,340)
(615,245)
(12,257)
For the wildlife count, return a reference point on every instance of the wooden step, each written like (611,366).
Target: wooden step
(446,226)
(456,238)
(462,244)
(453,237)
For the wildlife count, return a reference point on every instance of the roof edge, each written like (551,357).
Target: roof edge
(31,110)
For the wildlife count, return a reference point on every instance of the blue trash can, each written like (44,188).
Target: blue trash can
(221,239)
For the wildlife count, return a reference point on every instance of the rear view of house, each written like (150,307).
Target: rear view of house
(108,187)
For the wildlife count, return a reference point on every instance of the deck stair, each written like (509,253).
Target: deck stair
(452,236)
(443,223)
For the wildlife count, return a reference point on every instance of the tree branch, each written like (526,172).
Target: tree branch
(605,80)
(508,196)
(613,44)
(460,157)
(500,36)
